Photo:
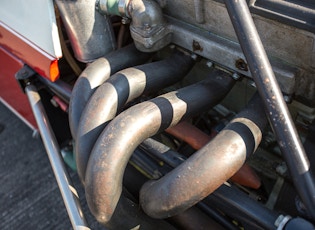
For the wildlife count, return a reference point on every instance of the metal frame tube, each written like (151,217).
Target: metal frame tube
(239,206)
(275,106)
(68,192)
(60,88)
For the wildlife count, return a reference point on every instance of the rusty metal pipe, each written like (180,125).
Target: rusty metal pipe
(208,168)
(121,88)
(197,139)
(120,138)
(97,73)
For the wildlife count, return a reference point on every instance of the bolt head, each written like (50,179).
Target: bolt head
(194,56)
(209,64)
(236,76)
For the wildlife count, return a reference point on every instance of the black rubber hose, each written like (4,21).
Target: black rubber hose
(275,106)
(97,73)
(120,138)
(119,89)
(208,168)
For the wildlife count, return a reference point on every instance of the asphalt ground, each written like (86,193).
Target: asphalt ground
(29,194)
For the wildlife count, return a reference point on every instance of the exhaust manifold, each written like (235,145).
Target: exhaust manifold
(119,89)
(104,146)
(110,154)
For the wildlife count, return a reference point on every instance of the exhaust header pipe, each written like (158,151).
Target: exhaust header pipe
(197,139)
(121,137)
(96,74)
(121,88)
(208,168)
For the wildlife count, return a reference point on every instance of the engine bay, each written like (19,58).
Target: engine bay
(187,114)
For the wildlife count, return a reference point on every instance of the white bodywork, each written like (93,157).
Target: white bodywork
(35,20)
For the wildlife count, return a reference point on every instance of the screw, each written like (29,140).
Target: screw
(172,46)
(209,64)
(147,27)
(241,64)
(24,73)
(196,46)
(281,169)
(252,83)
(194,56)
(236,76)
(287,98)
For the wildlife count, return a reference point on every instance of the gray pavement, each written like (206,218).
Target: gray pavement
(29,195)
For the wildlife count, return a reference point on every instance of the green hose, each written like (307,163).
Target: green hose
(68,157)
(112,7)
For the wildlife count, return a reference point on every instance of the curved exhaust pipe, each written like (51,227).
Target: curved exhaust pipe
(120,89)
(97,73)
(208,168)
(110,155)
(197,139)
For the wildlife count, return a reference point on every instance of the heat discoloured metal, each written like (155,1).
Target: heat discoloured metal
(197,139)
(208,168)
(122,87)
(109,156)
(95,74)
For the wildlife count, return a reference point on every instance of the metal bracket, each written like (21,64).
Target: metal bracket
(23,76)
